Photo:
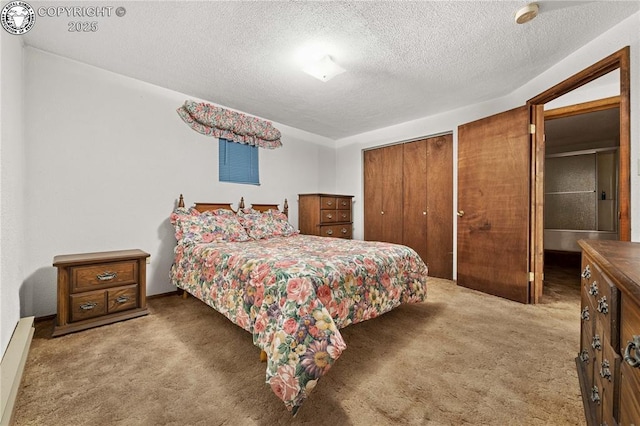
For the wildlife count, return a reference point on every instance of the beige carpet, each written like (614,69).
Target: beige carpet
(462,357)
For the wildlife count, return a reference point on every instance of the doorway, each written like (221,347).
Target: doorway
(581,186)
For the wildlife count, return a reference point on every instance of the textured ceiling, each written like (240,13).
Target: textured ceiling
(404,60)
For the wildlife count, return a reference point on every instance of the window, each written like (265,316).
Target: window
(238,163)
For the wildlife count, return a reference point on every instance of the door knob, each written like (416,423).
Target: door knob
(460,213)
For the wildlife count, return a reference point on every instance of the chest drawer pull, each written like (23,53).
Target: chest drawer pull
(344,231)
(593,290)
(122,299)
(584,356)
(329,216)
(603,306)
(106,276)
(329,231)
(605,371)
(585,314)
(586,274)
(634,345)
(88,306)
(596,343)
(595,395)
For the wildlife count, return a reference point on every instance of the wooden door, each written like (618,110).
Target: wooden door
(383,194)
(494,163)
(428,202)
(440,206)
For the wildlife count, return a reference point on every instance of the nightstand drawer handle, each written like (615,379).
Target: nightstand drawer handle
(633,360)
(88,306)
(122,299)
(106,276)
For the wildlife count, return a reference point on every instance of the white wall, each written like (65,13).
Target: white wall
(12,173)
(107,157)
(349,150)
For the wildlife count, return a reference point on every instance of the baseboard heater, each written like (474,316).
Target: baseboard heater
(12,366)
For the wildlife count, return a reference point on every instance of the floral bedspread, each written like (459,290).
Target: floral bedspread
(294,293)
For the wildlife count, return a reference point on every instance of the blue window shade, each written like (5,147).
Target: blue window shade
(238,163)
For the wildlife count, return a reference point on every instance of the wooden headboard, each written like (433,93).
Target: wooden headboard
(203,207)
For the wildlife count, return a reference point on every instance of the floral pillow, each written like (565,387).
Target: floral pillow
(268,224)
(193,227)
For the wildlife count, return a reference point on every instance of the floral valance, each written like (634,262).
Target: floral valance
(218,122)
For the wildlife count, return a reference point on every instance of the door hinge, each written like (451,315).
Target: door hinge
(532,129)
(531,277)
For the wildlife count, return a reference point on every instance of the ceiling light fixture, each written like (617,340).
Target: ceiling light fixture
(527,13)
(324,69)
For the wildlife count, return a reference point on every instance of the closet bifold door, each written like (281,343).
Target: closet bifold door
(414,212)
(383,194)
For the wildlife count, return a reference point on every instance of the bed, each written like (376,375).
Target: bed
(292,292)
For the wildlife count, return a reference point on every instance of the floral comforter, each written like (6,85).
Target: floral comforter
(294,293)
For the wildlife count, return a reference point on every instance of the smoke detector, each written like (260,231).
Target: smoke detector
(527,13)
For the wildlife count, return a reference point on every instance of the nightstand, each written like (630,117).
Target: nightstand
(95,289)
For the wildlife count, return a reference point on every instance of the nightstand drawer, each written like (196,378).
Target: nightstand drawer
(88,305)
(103,275)
(122,298)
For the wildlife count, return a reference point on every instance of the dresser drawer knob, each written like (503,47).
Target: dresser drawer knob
(596,343)
(605,371)
(329,203)
(344,231)
(586,273)
(329,216)
(595,395)
(329,231)
(88,306)
(106,276)
(633,359)
(122,299)
(585,314)
(603,306)
(584,356)
(344,203)
(344,215)
(593,290)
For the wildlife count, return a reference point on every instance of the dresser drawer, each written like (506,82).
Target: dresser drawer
(337,231)
(629,399)
(343,203)
(328,216)
(122,298)
(604,299)
(88,305)
(587,356)
(630,376)
(103,275)
(328,203)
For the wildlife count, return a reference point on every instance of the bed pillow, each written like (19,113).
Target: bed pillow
(192,227)
(271,223)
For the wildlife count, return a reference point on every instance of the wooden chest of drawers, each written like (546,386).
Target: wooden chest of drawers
(99,288)
(609,358)
(327,215)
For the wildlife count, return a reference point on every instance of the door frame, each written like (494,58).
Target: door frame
(618,60)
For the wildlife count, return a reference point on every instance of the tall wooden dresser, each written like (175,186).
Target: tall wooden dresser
(326,215)
(609,358)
